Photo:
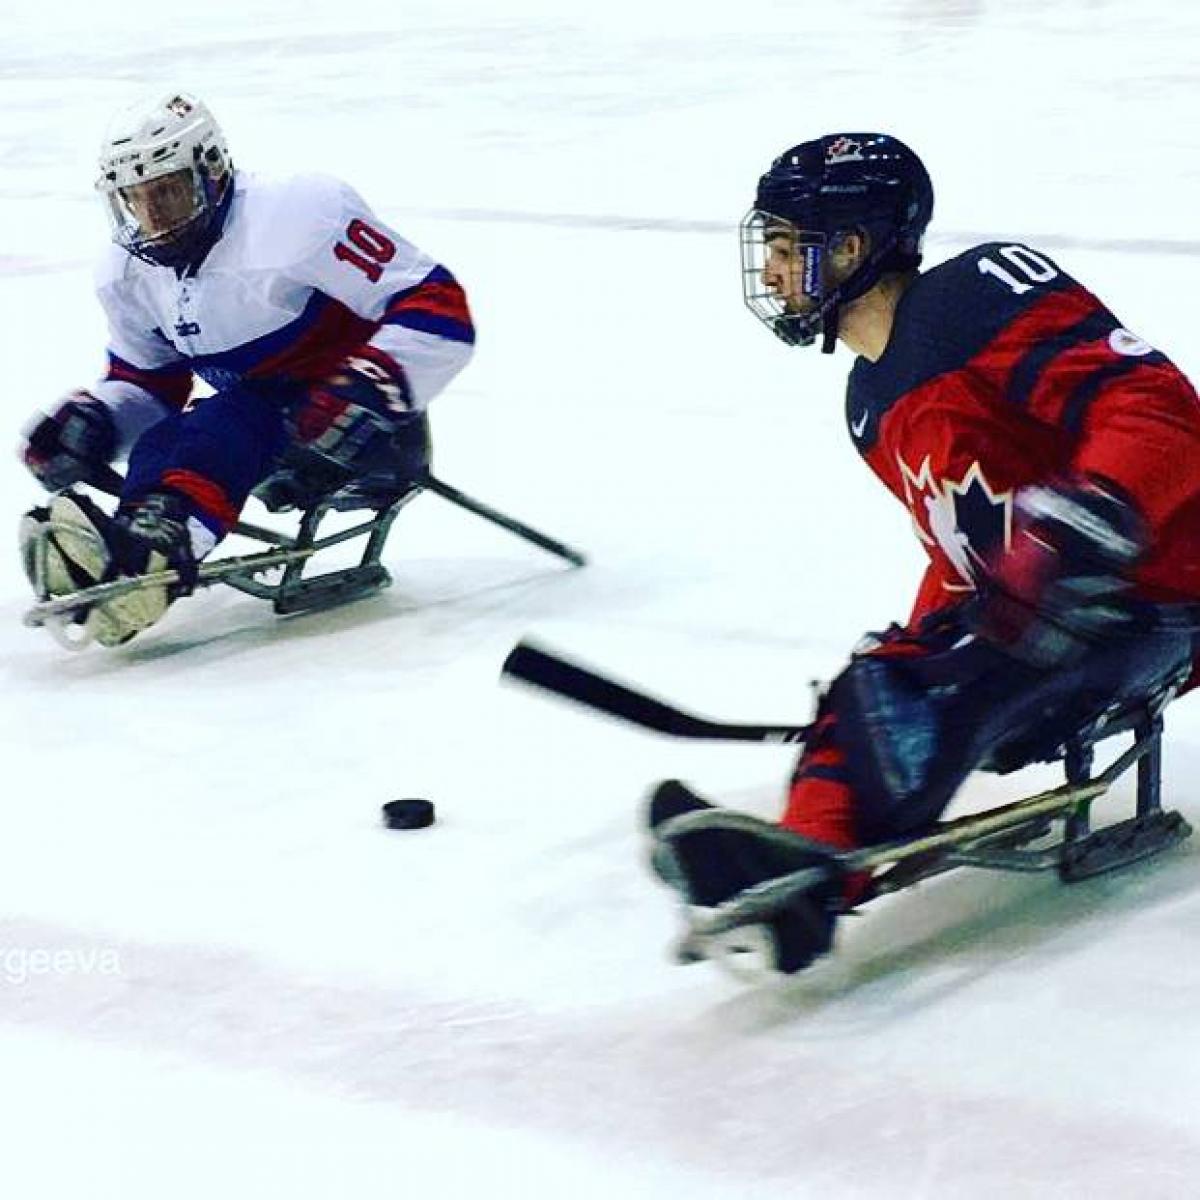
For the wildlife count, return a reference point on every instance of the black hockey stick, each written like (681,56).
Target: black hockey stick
(544,669)
(432,484)
(107,480)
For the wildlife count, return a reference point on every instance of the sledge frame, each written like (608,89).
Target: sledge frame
(294,592)
(1014,837)
(1001,838)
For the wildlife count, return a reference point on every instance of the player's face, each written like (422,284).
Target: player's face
(781,273)
(788,269)
(160,206)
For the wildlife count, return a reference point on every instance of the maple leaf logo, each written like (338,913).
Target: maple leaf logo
(843,149)
(967,519)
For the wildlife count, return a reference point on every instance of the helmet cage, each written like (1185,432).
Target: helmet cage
(810,249)
(805,264)
(178,135)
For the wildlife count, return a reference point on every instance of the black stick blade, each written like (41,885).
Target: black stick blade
(552,673)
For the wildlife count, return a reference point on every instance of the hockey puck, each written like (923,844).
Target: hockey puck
(408,814)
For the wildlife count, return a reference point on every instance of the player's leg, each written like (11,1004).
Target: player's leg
(912,729)
(209,458)
(70,544)
(709,866)
(901,729)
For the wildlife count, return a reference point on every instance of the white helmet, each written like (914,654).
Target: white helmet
(164,171)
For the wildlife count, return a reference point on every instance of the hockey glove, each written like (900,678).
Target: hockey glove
(67,445)
(357,424)
(1061,588)
(152,533)
(348,417)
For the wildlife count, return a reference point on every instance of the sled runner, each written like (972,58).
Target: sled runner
(294,590)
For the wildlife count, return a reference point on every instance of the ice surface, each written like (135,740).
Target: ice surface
(219,975)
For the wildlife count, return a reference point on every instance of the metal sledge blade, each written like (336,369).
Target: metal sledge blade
(1118,845)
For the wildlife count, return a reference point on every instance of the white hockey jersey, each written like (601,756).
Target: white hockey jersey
(302,275)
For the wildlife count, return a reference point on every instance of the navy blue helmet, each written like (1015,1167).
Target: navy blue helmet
(813,195)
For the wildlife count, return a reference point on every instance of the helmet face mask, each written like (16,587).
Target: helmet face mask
(165,173)
(814,198)
(151,217)
(788,276)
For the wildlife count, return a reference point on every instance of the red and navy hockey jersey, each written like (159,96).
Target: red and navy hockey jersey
(1002,370)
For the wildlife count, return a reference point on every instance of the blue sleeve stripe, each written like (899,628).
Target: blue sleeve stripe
(1028,371)
(834,774)
(435,323)
(1086,392)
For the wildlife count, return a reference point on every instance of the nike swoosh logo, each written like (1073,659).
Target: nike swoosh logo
(857,427)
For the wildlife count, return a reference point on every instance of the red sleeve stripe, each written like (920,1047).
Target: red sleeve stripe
(1011,359)
(436,305)
(172,385)
(1075,410)
(208,496)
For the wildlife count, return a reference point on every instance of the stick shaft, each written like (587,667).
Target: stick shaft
(551,672)
(462,500)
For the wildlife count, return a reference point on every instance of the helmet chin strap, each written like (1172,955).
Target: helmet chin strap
(829,329)
(858,285)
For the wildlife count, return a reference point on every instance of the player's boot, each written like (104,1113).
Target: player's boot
(710,866)
(71,544)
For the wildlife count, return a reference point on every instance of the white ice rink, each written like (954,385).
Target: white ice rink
(221,977)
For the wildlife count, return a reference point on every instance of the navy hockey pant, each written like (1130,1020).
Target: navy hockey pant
(216,453)
(213,454)
(904,725)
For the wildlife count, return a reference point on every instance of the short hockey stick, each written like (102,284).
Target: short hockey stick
(544,669)
(438,488)
(107,480)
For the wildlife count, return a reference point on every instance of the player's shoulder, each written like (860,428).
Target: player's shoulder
(954,311)
(111,267)
(310,192)
(279,220)
(978,291)
(954,314)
